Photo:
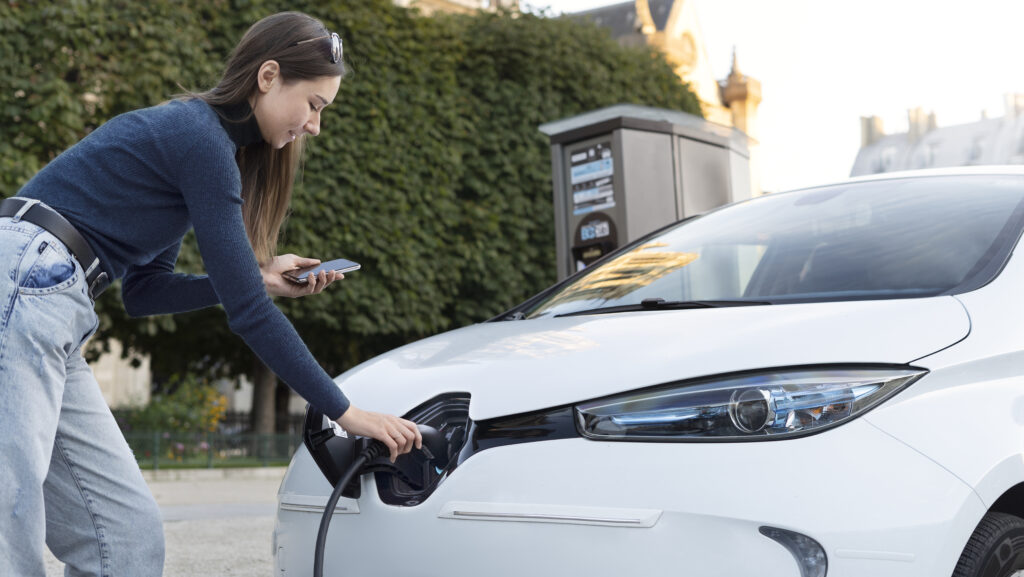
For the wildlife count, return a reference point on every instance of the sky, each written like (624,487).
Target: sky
(823,64)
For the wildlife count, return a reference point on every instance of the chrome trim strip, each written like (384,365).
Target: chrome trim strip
(313,509)
(541,517)
(549,513)
(314,504)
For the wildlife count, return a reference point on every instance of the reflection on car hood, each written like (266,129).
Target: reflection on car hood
(519,366)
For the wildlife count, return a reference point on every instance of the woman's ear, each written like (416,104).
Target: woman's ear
(267,75)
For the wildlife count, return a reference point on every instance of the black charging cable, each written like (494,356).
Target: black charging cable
(374,457)
(372,451)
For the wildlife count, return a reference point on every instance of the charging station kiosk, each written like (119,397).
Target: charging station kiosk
(623,171)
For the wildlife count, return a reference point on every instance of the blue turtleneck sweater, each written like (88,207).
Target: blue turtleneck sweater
(137,184)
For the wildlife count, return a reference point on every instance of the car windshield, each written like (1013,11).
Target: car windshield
(898,238)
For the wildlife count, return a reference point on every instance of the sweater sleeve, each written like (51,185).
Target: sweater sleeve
(212,192)
(155,289)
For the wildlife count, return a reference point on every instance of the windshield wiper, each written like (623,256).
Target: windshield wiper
(516,316)
(660,304)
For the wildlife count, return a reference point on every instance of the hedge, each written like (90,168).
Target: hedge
(430,170)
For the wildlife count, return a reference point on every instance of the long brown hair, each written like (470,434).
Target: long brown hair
(268,174)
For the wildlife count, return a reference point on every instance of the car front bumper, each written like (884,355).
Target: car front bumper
(580,507)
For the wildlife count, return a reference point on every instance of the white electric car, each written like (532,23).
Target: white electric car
(824,382)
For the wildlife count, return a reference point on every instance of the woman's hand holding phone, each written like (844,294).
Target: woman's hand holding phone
(279,286)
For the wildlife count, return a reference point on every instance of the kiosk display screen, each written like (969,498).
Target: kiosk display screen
(591,172)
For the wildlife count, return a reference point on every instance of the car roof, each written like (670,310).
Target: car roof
(990,170)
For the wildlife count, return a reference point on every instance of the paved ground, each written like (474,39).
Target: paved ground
(216,523)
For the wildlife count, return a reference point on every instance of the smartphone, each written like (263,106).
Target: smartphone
(301,275)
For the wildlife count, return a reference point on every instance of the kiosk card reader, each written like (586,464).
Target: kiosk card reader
(623,171)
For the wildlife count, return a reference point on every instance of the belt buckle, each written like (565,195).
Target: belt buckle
(98,285)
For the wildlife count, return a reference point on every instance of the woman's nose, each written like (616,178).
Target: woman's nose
(313,124)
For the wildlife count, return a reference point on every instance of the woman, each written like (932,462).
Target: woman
(116,205)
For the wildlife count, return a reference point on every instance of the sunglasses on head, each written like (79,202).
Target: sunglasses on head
(335,45)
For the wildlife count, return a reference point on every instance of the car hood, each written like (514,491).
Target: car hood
(519,366)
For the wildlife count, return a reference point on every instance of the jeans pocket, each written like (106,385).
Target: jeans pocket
(52,271)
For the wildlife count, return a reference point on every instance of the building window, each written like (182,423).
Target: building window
(888,158)
(933,153)
(976,151)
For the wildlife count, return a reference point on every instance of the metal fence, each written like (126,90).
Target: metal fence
(241,422)
(163,450)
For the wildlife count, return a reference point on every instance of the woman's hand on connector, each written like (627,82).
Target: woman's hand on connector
(400,435)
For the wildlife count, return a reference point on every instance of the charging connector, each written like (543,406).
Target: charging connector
(374,456)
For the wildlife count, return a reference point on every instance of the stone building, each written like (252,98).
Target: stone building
(122,384)
(926,145)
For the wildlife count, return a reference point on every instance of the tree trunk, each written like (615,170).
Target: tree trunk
(264,382)
(282,395)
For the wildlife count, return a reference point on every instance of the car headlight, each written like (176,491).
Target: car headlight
(747,407)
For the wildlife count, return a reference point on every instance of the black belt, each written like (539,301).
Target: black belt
(41,215)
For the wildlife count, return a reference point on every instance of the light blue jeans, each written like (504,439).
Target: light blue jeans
(67,476)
